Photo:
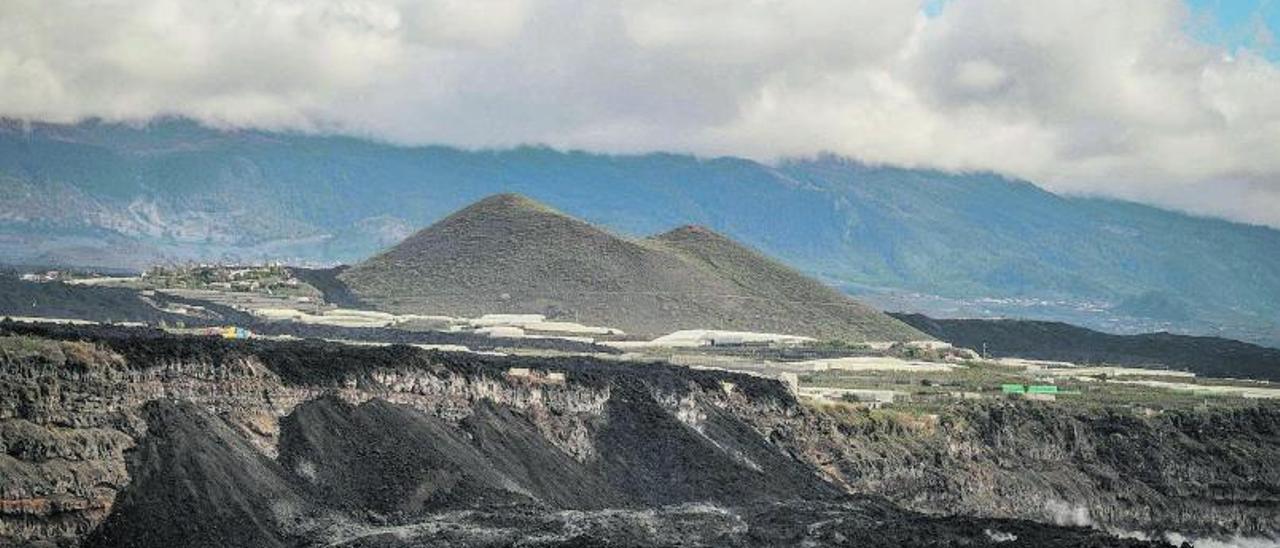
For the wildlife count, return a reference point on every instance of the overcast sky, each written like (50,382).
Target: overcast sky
(1162,101)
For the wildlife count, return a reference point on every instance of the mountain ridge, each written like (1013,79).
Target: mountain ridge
(116,195)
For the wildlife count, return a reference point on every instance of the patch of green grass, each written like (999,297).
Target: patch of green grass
(20,347)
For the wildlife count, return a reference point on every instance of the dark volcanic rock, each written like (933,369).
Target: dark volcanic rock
(102,304)
(400,336)
(850,522)
(1205,356)
(513,446)
(326,281)
(1206,471)
(265,443)
(659,459)
(389,459)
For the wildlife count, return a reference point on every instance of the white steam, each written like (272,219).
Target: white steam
(1067,514)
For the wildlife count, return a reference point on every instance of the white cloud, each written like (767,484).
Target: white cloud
(1092,96)
(465,23)
(252,61)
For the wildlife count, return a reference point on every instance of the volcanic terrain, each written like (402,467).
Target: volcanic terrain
(509,254)
(133,437)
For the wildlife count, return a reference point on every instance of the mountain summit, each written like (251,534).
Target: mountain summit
(510,254)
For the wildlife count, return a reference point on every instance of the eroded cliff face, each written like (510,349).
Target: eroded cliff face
(62,440)
(354,443)
(70,410)
(1203,472)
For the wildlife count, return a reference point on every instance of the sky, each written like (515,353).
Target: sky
(1169,102)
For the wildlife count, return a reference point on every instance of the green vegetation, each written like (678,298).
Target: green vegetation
(268,279)
(894,420)
(16,349)
(19,347)
(838,344)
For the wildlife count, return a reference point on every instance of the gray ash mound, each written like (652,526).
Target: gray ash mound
(391,460)
(395,446)
(507,253)
(1204,356)
(195,482)
(660,460)
(514,448)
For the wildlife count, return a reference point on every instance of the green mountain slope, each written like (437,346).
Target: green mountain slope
(507,253)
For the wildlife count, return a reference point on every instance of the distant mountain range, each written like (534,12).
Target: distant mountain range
(509,254)
(947,244)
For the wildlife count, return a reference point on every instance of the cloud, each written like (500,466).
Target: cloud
(244,62)
(1093,96)
(464,23)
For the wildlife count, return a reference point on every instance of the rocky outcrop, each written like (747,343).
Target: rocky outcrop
(70,410)
(61,443)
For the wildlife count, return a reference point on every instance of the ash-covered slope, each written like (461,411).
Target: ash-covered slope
(191,476)
(507,253)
